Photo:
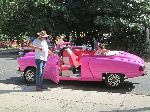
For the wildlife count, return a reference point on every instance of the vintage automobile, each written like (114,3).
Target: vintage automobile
(76,63)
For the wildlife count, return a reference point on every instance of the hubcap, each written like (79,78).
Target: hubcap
(114,80)
(30,76)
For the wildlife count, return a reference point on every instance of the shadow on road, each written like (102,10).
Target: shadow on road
(74,85)
(92,86)
(147,109)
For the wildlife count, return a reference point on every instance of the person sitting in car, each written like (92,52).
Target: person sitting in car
(101,49)
(59,40)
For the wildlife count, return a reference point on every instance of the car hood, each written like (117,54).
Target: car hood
(29,54)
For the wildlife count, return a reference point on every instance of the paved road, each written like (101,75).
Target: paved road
(140,85)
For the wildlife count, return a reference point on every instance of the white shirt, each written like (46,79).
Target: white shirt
(41,54)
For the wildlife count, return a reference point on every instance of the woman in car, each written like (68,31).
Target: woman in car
(101,49)
(59,40)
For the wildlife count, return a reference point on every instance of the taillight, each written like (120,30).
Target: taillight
(141,68)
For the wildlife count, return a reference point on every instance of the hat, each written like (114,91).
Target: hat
(43,34)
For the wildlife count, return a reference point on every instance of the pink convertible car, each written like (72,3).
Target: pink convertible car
(83,65)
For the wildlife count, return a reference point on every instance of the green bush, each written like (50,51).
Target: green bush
(122,19)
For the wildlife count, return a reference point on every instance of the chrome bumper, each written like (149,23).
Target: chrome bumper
(19,72)
(145,73)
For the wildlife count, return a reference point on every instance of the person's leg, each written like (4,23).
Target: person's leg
(41,78)
(38,72)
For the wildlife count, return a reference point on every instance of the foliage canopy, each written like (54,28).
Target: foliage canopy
(124,21)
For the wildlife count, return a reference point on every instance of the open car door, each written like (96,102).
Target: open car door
(52,69)
(74,58)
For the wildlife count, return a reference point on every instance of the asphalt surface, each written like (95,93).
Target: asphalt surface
(8,75)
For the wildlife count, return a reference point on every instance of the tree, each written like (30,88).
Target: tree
(120,20)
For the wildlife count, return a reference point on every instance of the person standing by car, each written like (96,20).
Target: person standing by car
(41,54)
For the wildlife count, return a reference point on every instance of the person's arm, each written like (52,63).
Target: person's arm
(50,52)
(98,52)
(34,47)
(105,51)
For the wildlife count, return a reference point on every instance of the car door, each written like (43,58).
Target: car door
(52,69)
(73,57)
(96,66)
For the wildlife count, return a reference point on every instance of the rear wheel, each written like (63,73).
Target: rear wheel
(114,80)
(29,75)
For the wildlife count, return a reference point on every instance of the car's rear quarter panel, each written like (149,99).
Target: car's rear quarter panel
(94,67)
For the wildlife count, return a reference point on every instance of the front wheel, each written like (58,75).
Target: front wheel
(29,75)
(113,80)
